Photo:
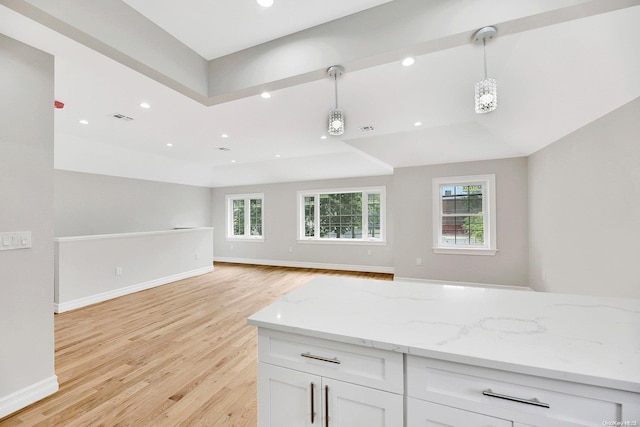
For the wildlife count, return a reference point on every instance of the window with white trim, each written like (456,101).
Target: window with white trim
(245,216)
(464,215)
(345,215)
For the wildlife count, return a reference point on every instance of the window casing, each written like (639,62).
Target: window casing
(342,216)
(245,216)
(464,215)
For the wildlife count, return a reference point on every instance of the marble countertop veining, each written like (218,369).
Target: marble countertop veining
(590,340)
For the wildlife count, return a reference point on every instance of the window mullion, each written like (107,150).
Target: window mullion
(316,216)
(247,217)
(365,215)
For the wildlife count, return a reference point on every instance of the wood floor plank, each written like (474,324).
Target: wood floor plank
(181,354)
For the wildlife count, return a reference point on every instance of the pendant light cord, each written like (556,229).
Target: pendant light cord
(484,52)
(335,78)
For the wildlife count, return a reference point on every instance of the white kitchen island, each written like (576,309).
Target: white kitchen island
(355,352)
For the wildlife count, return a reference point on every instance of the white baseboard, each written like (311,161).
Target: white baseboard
(471,284)
(297,264)
(92,299)
(28,395)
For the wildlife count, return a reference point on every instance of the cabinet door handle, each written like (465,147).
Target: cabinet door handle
(313,410)
(322,359)
(326,406)
(534,401)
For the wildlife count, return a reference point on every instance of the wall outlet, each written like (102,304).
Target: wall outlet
(418,261)
(290,248)
(197,256)
(544,276)
(369,252)
(118,271)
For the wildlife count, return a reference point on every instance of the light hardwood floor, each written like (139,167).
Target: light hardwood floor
(181,354)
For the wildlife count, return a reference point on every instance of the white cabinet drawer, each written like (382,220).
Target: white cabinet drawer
(539,401)
(426,414)
(352,363)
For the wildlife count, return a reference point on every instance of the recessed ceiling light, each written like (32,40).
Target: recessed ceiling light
(145,105)
(417,124)
(233,161)
(323,137)
(409,61)
(169,145)
(278,156)
(83,122)
(265,3)
(265,95)
(224,135)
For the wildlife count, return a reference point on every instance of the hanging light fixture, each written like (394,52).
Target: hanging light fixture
(486,89)
(336,116)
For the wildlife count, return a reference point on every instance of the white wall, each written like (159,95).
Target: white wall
(414,227)
(88,204)
(91,269)
(585,209)
(26,204)
(280,229)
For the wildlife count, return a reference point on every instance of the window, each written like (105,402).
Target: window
(464,215)
(245,216)
(350,215)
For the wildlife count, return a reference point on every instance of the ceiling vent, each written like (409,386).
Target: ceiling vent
(366,128)
(122,117)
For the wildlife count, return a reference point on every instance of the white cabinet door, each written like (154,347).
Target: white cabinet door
(426,414)
(349,405)
(288,398)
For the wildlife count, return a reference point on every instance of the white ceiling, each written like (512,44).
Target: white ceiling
(552,80)
(214,28)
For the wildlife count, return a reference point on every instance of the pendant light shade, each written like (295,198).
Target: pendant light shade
(336,116)
(486,94)
(336,122)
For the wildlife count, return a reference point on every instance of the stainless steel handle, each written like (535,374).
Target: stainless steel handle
(326,406)
(534,401)
(313,410)
(322,359)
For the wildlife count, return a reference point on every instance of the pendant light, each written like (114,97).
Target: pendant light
(486,89)
(336,116)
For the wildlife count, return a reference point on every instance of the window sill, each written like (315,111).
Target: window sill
(344,242)
(465,251)
(245,239)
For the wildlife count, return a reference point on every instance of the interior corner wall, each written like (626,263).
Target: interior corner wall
(91,204)
(414,229)
(281,247)
(26,194)
(585,209)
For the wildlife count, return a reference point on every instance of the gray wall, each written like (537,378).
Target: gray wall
(414,229)
(87,204)
(585,209)
(26,192)
(280,227)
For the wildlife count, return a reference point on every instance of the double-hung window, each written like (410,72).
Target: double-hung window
(346,215)
(245,216)
(464,215)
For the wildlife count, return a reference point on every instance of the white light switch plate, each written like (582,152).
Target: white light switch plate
(12,240)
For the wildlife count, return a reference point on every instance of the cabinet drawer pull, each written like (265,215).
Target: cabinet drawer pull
(326,406)
(322,359)
(313,409)
(534,401)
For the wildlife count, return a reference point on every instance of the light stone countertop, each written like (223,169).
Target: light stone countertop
(590,340)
